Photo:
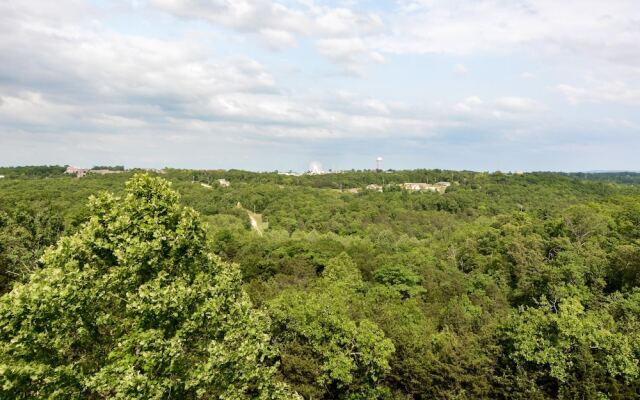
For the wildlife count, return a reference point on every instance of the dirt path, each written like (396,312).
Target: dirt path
(256,220)
(255,225)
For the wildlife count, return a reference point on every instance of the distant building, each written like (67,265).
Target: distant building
(439,187)
(315,168)
(374,187)
(224,182)
(78,172)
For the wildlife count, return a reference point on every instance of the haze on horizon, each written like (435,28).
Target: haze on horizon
(264,85)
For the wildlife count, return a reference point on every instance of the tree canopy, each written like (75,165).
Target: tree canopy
(133,306)
(506,286)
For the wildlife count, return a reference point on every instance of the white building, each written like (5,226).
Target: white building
(79,172)
(315,168)
(439,187)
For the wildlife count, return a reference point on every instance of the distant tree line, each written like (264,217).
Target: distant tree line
(109,167)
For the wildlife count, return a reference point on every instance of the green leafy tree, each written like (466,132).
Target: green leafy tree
(134,307)
(24,236)
(401,279)
(579,349)
(327,353)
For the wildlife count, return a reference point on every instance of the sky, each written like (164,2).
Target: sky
(487,85)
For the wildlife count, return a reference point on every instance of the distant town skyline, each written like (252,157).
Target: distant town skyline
(262,85)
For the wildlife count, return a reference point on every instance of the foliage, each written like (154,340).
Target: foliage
(34,171)
(326,353)
(133,306)
(109,167)
(507,286)
(24,235)
(570,343)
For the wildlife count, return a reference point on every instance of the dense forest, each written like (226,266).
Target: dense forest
(173,285)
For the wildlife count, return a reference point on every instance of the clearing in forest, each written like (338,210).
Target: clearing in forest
(256,220)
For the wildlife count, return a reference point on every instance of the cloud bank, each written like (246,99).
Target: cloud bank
(481,84)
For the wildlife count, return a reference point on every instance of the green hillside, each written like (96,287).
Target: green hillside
(506,286)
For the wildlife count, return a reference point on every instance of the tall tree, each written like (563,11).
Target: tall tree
(134,307)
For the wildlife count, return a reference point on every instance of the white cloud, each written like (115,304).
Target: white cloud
(243,15)
(345,22)
(585,38)
(502,116)
(102,64)
(72,78)
(464,27)
(474,100)
(601,35)
(91,79)
(350,51)
(601,92)
(32,109)
(469,104)
(277,39)
(516,104)
(338,31)
(460,69)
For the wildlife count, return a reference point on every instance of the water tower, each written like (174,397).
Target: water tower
(378,161)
